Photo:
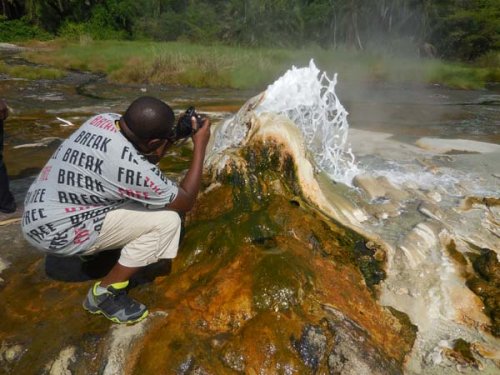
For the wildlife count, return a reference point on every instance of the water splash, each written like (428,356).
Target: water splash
(307,97)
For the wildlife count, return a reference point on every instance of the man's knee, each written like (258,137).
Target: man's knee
(169,221)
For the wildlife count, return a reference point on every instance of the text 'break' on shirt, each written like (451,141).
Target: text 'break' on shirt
(92,172)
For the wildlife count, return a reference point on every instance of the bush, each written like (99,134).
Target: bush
(20,30)
(72,31)
(101,26)
(489,60)
(469,31)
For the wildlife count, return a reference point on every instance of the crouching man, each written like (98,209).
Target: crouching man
(102,190)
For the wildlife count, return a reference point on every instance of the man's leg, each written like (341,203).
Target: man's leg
(146,236)
(7,203)
(119,274)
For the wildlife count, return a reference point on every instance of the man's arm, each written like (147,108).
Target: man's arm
(190,185)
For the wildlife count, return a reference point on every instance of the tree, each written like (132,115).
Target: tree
(457,29)
(466,29)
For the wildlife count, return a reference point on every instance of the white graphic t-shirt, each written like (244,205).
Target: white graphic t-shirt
(94,171)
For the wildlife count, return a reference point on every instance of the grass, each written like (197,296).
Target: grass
(217,66)
(464,77)
(29,72)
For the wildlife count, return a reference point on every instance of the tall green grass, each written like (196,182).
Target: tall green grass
(216,66)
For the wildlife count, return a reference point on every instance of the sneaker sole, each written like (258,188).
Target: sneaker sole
(114,319)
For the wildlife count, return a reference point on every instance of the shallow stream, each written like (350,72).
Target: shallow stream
(406,112)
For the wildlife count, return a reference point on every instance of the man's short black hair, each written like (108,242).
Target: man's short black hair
(150,118)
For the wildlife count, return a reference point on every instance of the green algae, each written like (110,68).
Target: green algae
(268,162)
(372,269)
(232,176)
(263,158)
(222,237)
(488,267)
(280,282)
(451,248)
(408,329)
(463,348)
(486,284)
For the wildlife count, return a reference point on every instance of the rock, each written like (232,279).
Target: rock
(471,202)
(443,146)
(10,47)
(371,245)
(234,360)
(254,299)
(379,187)
(420,243)
(353,351)
(430,210)
(370,186)
(122,340)
(402,291)
(8,219)
(10,353)
(379,255)
(435,196)
(60,366)
(3,265)
(461,354)
(311,346)
(44,142)
(487,352)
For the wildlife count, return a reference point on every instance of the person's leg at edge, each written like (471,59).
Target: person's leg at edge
(7,203)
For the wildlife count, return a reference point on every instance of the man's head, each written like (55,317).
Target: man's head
(149,124)
(149,118)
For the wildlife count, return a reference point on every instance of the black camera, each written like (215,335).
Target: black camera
(184,127)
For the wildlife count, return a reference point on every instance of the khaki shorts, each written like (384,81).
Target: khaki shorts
(144,235)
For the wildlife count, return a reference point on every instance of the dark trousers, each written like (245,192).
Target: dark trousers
(6,197)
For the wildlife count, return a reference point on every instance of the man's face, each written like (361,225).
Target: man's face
(156,155)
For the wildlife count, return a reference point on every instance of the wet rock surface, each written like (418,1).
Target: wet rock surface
(456,145)
(246,294)
(443,248)
(263,283)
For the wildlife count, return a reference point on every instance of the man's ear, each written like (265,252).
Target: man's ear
(153,144)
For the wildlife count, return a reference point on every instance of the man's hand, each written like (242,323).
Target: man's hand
(190,185)
(201,136)
(4,110)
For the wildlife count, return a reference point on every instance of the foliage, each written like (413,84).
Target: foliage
(20,30)
(467,31)
(454,29)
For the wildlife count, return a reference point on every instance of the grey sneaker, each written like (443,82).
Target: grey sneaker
(115,305)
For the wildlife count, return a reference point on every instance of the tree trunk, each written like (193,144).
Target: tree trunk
(356,29)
